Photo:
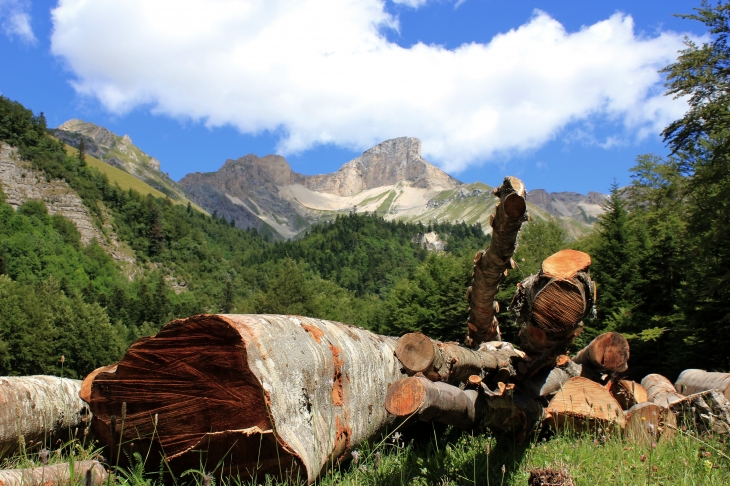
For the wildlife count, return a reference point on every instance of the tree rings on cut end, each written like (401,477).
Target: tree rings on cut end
(405,397)
(646,422)
(559,306)
(565,264)
(515,206)
(416,352)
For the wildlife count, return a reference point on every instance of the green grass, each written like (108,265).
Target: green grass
(451,457)
(385,205)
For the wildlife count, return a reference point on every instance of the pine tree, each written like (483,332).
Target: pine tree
(81,156)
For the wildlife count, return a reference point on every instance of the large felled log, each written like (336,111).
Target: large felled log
(695,381)
(501,410)
(660,390)
(451,363)
(491,265)
(647,422)
(89,473)
(627,393)
(551,305)
(38,409)
(582,403)
(259,393)
(608,352)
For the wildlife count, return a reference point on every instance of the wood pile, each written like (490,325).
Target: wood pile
(293,396)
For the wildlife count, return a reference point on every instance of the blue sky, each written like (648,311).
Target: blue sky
(564,94)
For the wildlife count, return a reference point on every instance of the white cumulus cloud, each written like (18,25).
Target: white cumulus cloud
(317,71)
(15,20)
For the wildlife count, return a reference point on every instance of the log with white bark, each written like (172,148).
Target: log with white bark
(38,409)
(285,395)
(660,390)
(582,403)
(627,393)
(695,381)
(88,473)
(550,306)
(647,422)
(491,265)
(607,353)
(452,363)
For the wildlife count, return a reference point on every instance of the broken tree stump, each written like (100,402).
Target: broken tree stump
(647,422)
(607,353)
(88,473)
(550,306)
(583,404)
(627,393)
(452,363)
(660,390)
(284,395)
(695,381)
(39,409)
(491,265)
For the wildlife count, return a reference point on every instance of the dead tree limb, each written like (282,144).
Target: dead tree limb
(607,353)
(492,264)
(89,473)
(451,363)
(38,409)
(695,381)
(660,390)
(285,395)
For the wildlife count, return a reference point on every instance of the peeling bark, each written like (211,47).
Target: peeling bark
(706,411)
(285,395)
(492,264)
(39,409)
(87,472)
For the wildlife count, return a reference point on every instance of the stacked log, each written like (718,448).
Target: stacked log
(627,393)
(695,381)
(89,473)
(583,404)
(38,410)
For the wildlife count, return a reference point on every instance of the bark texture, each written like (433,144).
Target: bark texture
(695,381)
(660,390)
(285,395)
(647,422)
(608,352)
(491,265)
(551,305)
(706,411)
(582,403)
(38,409)
(85,472)
(451,363)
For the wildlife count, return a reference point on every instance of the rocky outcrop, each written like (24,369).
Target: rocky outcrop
(20,184)
(569,204)
(385,164)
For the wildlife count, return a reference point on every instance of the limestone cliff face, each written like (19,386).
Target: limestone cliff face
(20,183)
(569,204)
(385,164)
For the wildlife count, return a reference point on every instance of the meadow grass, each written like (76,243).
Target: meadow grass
(451,457)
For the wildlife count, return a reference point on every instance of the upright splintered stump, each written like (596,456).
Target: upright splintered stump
(491,265)
(255,393)
(551,305)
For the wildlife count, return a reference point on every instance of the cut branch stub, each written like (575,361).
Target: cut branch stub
(608,352)
(284,395)
(491,265)
(695,381)
(551,305)
(451,363)
(660,390)
(583,403)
